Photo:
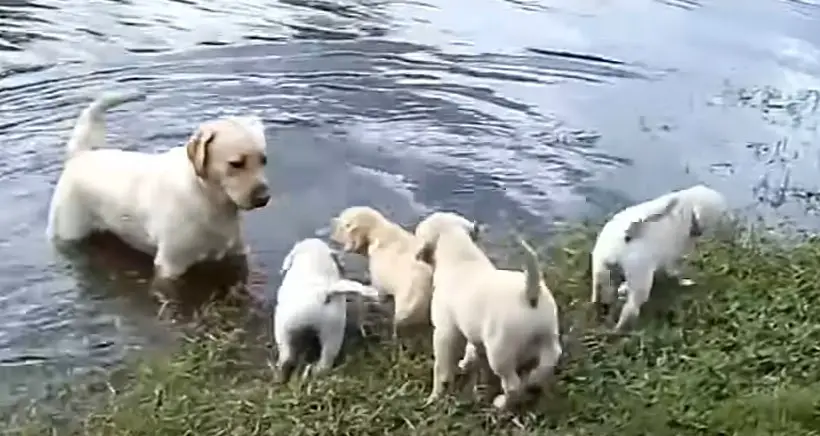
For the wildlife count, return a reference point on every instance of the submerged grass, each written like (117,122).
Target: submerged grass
(736,354)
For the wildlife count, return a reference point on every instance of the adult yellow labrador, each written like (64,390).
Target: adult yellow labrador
(181,206)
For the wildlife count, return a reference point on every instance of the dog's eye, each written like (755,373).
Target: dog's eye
(237,164)
(264,160)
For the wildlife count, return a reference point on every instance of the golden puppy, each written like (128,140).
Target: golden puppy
(181,206)
(504,318)
(394,269)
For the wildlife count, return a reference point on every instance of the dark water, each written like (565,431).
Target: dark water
(524,110)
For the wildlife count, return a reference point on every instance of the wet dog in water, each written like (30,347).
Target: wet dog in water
(311,299)
(181,206)
(649,236)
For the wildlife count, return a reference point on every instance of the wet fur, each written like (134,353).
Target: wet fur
(180,206)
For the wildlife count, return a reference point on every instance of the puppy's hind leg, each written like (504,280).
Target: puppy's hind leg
(286,362)
(639,286)
(331,337)
(447,343)
(504,365)
(547,360)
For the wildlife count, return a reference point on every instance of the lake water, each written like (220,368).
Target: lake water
(519,111)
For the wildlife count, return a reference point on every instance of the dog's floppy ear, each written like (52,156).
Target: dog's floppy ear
(288,261)
(426,254)
(197,148)
(358,240)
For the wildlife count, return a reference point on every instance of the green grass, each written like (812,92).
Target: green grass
(737,354)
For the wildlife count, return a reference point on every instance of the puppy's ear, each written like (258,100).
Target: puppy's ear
(197,148)
(358,241)
(695,229)
(477,230)
(288,261)
(425,254)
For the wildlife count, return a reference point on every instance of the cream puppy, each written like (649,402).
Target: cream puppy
(181,205)
(509,317)
(649,236)
(311,300)
(394,269)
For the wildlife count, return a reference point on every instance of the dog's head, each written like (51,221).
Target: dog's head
(430,228)
(353,228)
(230,153)
(709,209)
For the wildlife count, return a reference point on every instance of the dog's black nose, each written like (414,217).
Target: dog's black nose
(260,196)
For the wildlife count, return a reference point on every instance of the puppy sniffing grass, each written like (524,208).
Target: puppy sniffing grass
(311,300)
(649,236)
(392,263)
(508,318)
(181,206)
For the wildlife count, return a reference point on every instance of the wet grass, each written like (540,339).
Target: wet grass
(737,354)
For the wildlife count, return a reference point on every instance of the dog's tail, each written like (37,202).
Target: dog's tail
(532,291)
(637,227)
(343,287)
(89,129)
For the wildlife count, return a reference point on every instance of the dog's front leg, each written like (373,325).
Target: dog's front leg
(166,272)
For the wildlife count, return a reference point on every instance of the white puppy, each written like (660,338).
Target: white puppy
(311,300)
(181,205)
(649,236)
(509,317)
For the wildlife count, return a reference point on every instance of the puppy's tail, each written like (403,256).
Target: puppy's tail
(532,291)
(89,129)
(344,287)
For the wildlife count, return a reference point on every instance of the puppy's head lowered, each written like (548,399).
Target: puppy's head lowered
(230,153)
(317,253)
(431,228)
(354,228)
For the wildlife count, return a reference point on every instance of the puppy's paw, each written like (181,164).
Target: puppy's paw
(501,402)
(432,398)
(622,291)
(308,371)
(279,377)
(686,282)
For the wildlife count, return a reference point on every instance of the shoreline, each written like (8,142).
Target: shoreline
(734,354)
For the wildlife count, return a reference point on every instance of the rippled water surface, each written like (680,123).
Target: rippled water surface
(525,110)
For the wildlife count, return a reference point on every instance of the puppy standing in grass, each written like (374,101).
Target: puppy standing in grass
(508,317)
(311,300)
(394,269)
(649,236)
(181,205)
